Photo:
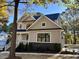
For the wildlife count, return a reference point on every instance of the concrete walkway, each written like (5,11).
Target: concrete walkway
(4,55)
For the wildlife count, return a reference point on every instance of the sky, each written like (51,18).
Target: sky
(51,9)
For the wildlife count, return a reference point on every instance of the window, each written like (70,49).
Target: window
(43,24)
(24,36)
(62,35)
(28,25)
(43,37)
(20,26)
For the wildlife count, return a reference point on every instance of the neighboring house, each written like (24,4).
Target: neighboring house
(39,29)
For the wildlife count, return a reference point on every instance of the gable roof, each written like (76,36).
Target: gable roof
(36,17)
(53,16)
(58,27)
(25,17)
(50,16)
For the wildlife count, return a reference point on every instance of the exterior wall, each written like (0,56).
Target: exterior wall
(38,25)
(55,35)
(18,38)
(28,18)
(23,24)
(25,21)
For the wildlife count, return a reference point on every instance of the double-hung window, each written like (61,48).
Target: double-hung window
(24,36)
(43,37)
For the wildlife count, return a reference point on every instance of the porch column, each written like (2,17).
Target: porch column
(19,39)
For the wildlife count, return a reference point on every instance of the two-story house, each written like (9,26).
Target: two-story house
(39,29)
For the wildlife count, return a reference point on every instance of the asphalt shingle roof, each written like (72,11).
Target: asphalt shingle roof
(51,16)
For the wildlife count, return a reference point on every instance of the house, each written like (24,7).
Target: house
(39,29)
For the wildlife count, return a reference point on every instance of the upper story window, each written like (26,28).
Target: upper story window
(43,24)
(20,26)
(28,25)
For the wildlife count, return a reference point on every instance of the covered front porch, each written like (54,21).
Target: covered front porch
(22,37)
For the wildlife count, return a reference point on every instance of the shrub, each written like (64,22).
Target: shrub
(39,47)
(20,48)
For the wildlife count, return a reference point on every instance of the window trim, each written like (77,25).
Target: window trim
(42,24)
(20,26)
(25,34)
(43,33)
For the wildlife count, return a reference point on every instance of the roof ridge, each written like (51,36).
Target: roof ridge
(51,16)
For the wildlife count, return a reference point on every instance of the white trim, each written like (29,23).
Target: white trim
(22,32)
(46,18)
(53,22)
(33,17)
(22,37)
(18,26)
(62,40)
(43,26)
(43,32)
(35,22)
(19,20)
(26,17)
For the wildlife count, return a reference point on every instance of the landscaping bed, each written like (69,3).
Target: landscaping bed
(39,47)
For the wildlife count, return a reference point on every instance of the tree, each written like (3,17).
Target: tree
(13,41)
(75,29)
(73,6)
(68,38)
(3,14)
(10,26)
(71,22)
(3,11)
(4,27)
